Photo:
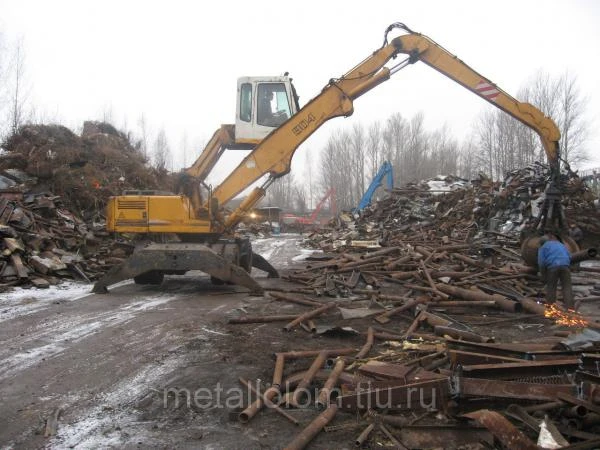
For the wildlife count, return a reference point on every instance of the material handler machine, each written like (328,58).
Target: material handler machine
(270,123)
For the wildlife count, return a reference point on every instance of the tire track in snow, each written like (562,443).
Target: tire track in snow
(62,334)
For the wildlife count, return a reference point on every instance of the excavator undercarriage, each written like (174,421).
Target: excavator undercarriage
(226,261)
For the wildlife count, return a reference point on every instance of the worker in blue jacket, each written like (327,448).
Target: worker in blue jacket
(554,260)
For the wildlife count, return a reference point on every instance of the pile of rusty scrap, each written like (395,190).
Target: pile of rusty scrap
(436,381)
(461,210)
(437,278)
(84,170)
(42,242)
(53,188)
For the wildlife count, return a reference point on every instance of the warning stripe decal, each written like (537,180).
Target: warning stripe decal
(487,90)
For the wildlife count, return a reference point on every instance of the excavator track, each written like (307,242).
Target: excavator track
(148,264)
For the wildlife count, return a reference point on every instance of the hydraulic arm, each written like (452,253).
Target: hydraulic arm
(385,171)
(273,155)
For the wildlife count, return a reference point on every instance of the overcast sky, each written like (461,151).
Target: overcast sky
(177,62)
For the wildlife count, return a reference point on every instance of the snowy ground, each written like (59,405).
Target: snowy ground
(99,357)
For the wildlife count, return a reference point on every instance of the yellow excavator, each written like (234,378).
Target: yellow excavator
(270,123)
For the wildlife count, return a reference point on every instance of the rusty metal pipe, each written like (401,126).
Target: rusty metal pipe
(543,406)
(452,303)
(423,251)
(278,371)
(251,410)
(361,263)
(508,305)
(367,347)
(471,262)
(262,319)
(318,363)
(308,315)
(403,275)
(532,306)
(277,409)
(383,251)
(430,281)
(362,437)
(466,294)
(385,317)
(294,299)
(308,353)
(583,255)
(397,262)
(442,330)
(314,428)
(391,437)
(325,394)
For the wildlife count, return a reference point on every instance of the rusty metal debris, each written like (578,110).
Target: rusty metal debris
(449,319)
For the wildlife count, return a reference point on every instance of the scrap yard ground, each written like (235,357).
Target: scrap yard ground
(107,365)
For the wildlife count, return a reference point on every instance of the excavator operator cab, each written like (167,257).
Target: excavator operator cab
(263,104)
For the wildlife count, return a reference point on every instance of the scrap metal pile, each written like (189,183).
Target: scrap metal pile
(41,242)
(53,189)
(449,341)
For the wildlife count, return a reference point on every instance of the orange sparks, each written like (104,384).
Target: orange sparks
(569,318)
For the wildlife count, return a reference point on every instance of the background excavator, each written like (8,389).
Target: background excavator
(270,123)
(385,171)
(301,221)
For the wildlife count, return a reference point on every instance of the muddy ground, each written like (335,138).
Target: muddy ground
(111,363)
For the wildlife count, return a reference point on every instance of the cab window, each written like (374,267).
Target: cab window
(246,102)
(273,104)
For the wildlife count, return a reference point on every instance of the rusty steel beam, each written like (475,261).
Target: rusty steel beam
(470,358)
(528,351)
(523,369)
(430,394)
(438,436)
(502,389)
(314,428)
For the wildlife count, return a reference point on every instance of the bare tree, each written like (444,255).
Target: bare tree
(162,153)
(144,132)
(572,122)
(356,151)
(18,88)
(374,147)
(300,198)
(561,99)
(308,170)
(394,138)
(184,149)
(281,192)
